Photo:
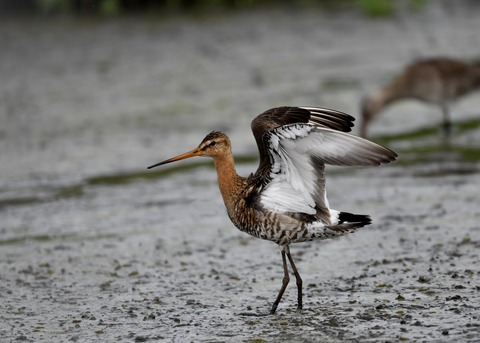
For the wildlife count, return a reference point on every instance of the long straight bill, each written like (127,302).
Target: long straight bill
(193,153)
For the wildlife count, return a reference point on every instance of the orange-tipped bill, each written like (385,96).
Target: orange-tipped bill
(193,153)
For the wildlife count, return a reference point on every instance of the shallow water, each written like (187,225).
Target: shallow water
(95,247)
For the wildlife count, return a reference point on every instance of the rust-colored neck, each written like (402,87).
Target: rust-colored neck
(229,181)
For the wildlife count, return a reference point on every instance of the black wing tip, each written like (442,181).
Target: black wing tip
(390,156)
(328,111)
(320,116)
(330,118)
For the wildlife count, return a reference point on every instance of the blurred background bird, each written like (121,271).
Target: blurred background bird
(437,81)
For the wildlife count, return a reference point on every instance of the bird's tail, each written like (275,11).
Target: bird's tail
(356,220)
(344,222)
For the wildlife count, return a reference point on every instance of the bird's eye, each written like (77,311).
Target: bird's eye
(213,143)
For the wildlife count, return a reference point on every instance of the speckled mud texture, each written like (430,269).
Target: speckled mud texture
(93,247)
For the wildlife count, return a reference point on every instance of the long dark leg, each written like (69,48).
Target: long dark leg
(299,280)
(286,280)
(447,125)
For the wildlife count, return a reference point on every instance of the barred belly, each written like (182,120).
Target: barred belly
(277,227)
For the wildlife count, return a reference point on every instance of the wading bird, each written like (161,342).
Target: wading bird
(437,81)
(285,201)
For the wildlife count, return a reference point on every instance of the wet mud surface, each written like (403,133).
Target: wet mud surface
(95,248)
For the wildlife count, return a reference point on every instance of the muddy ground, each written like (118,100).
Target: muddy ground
(95,248)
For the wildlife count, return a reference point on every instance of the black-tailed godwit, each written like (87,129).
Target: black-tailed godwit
(436,81)
(285,201)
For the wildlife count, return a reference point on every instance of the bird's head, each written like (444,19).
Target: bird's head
(213,145)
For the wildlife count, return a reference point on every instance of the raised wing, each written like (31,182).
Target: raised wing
(297,155)
(280,116)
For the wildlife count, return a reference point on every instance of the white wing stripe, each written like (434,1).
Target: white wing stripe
(295,185)
(292,176)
